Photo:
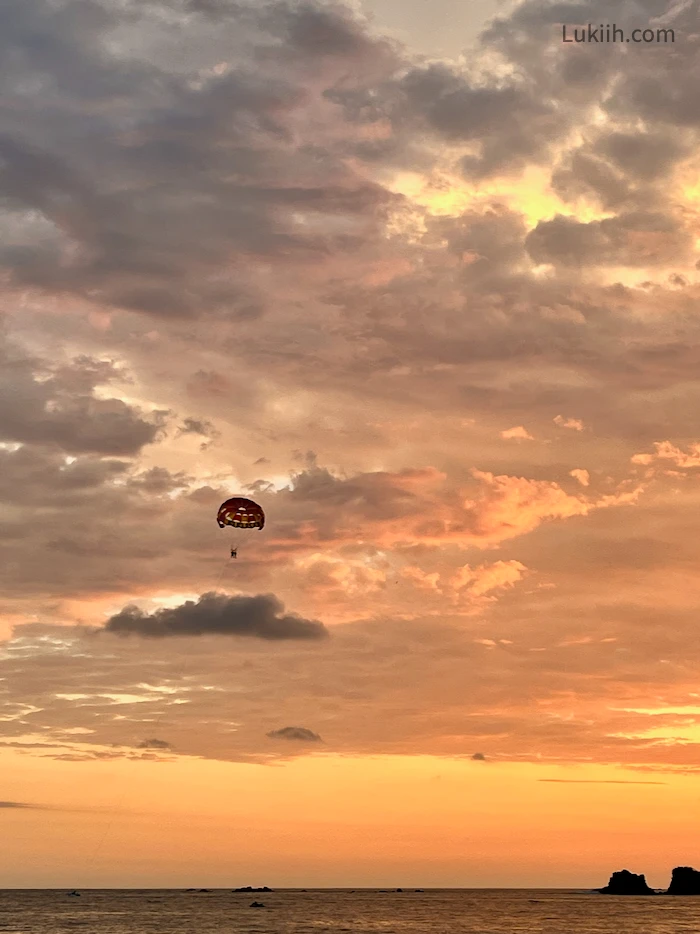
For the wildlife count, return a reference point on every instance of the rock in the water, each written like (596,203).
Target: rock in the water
(627,883)
(256,905)
(684,881)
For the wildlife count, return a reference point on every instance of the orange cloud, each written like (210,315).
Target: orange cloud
(517,433)
(575,424)
(665,451)
(582,476)
(511,506)
(478,582)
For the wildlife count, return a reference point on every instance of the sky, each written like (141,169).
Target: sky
(421,279)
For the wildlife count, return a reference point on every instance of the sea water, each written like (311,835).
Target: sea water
(342,911)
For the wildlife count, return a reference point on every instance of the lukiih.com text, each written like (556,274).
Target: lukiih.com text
(610,32)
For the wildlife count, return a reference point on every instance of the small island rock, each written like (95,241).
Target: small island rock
(684,881)
(627,883)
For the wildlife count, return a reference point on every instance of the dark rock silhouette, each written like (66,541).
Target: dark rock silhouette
(684,881)
(627,883)
(250,888)
(203,890)
(399,890)
(256,905)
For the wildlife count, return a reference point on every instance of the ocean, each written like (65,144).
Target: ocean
(342,911)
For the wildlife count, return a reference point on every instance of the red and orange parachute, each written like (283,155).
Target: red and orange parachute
(241,513)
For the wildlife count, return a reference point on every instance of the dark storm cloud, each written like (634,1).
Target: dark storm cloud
(479,757)
(260,617)
(296,734)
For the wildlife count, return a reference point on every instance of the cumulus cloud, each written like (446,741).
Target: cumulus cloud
(575,424)
(479,757)
(666,451)
(202,117)
(328,575)
(518,433)
(422,580)
(583,477)
(154,744)
(259,617)
(43,403)
(511,506)
(199,426)
(297,734)
(486,578)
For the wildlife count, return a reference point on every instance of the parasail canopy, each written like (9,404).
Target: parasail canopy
(241,513)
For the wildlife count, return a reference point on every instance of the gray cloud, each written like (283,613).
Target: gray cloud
(198,426)
(91,193)
(44,403)
(642,238)
(296,734)
(260,617)
(18,804)
(154,744)
(479,757)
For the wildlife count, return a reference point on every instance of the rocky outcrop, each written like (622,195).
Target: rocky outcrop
(684,881)
(250,888)
(627,883)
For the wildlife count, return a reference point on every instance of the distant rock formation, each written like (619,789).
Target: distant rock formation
(256,905)
(684,881)
(249,888)
(627,883)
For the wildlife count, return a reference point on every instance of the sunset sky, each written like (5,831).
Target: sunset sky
(422,280)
